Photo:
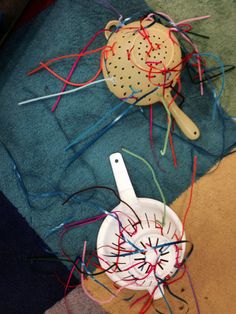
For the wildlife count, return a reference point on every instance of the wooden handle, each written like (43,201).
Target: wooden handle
(187,126)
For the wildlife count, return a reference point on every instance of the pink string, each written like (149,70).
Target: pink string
(194,19)
(74,67)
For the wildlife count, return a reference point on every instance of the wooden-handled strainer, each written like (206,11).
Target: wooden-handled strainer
(146,58)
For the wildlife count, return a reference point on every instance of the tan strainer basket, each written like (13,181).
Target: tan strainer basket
(145,61)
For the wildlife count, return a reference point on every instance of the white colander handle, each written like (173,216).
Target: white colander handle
(123,183)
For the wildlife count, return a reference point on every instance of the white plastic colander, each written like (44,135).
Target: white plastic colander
(148,266)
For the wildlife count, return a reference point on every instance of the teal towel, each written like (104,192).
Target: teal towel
(36,137)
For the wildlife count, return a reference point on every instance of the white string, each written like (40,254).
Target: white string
(63,93)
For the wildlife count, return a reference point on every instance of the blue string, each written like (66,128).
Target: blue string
(107,114)
(35,196)
(98,135)
(83,134)
(108,127)
(167,303)
(58,227)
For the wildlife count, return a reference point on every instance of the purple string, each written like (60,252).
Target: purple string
(193,291)
(109,6)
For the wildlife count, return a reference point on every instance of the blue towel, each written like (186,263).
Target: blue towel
(36,137)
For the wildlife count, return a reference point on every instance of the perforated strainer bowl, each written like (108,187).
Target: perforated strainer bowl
(142,270)
(148,60)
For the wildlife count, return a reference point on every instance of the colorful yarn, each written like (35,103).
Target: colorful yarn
(75,65)
(183,28)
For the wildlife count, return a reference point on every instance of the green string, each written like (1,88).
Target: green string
(163,151)
(154,178)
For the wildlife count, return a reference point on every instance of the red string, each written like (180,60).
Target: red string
(172,150)
(69,82)
(67,57)
(63,283)
(148,303)
(75,65)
